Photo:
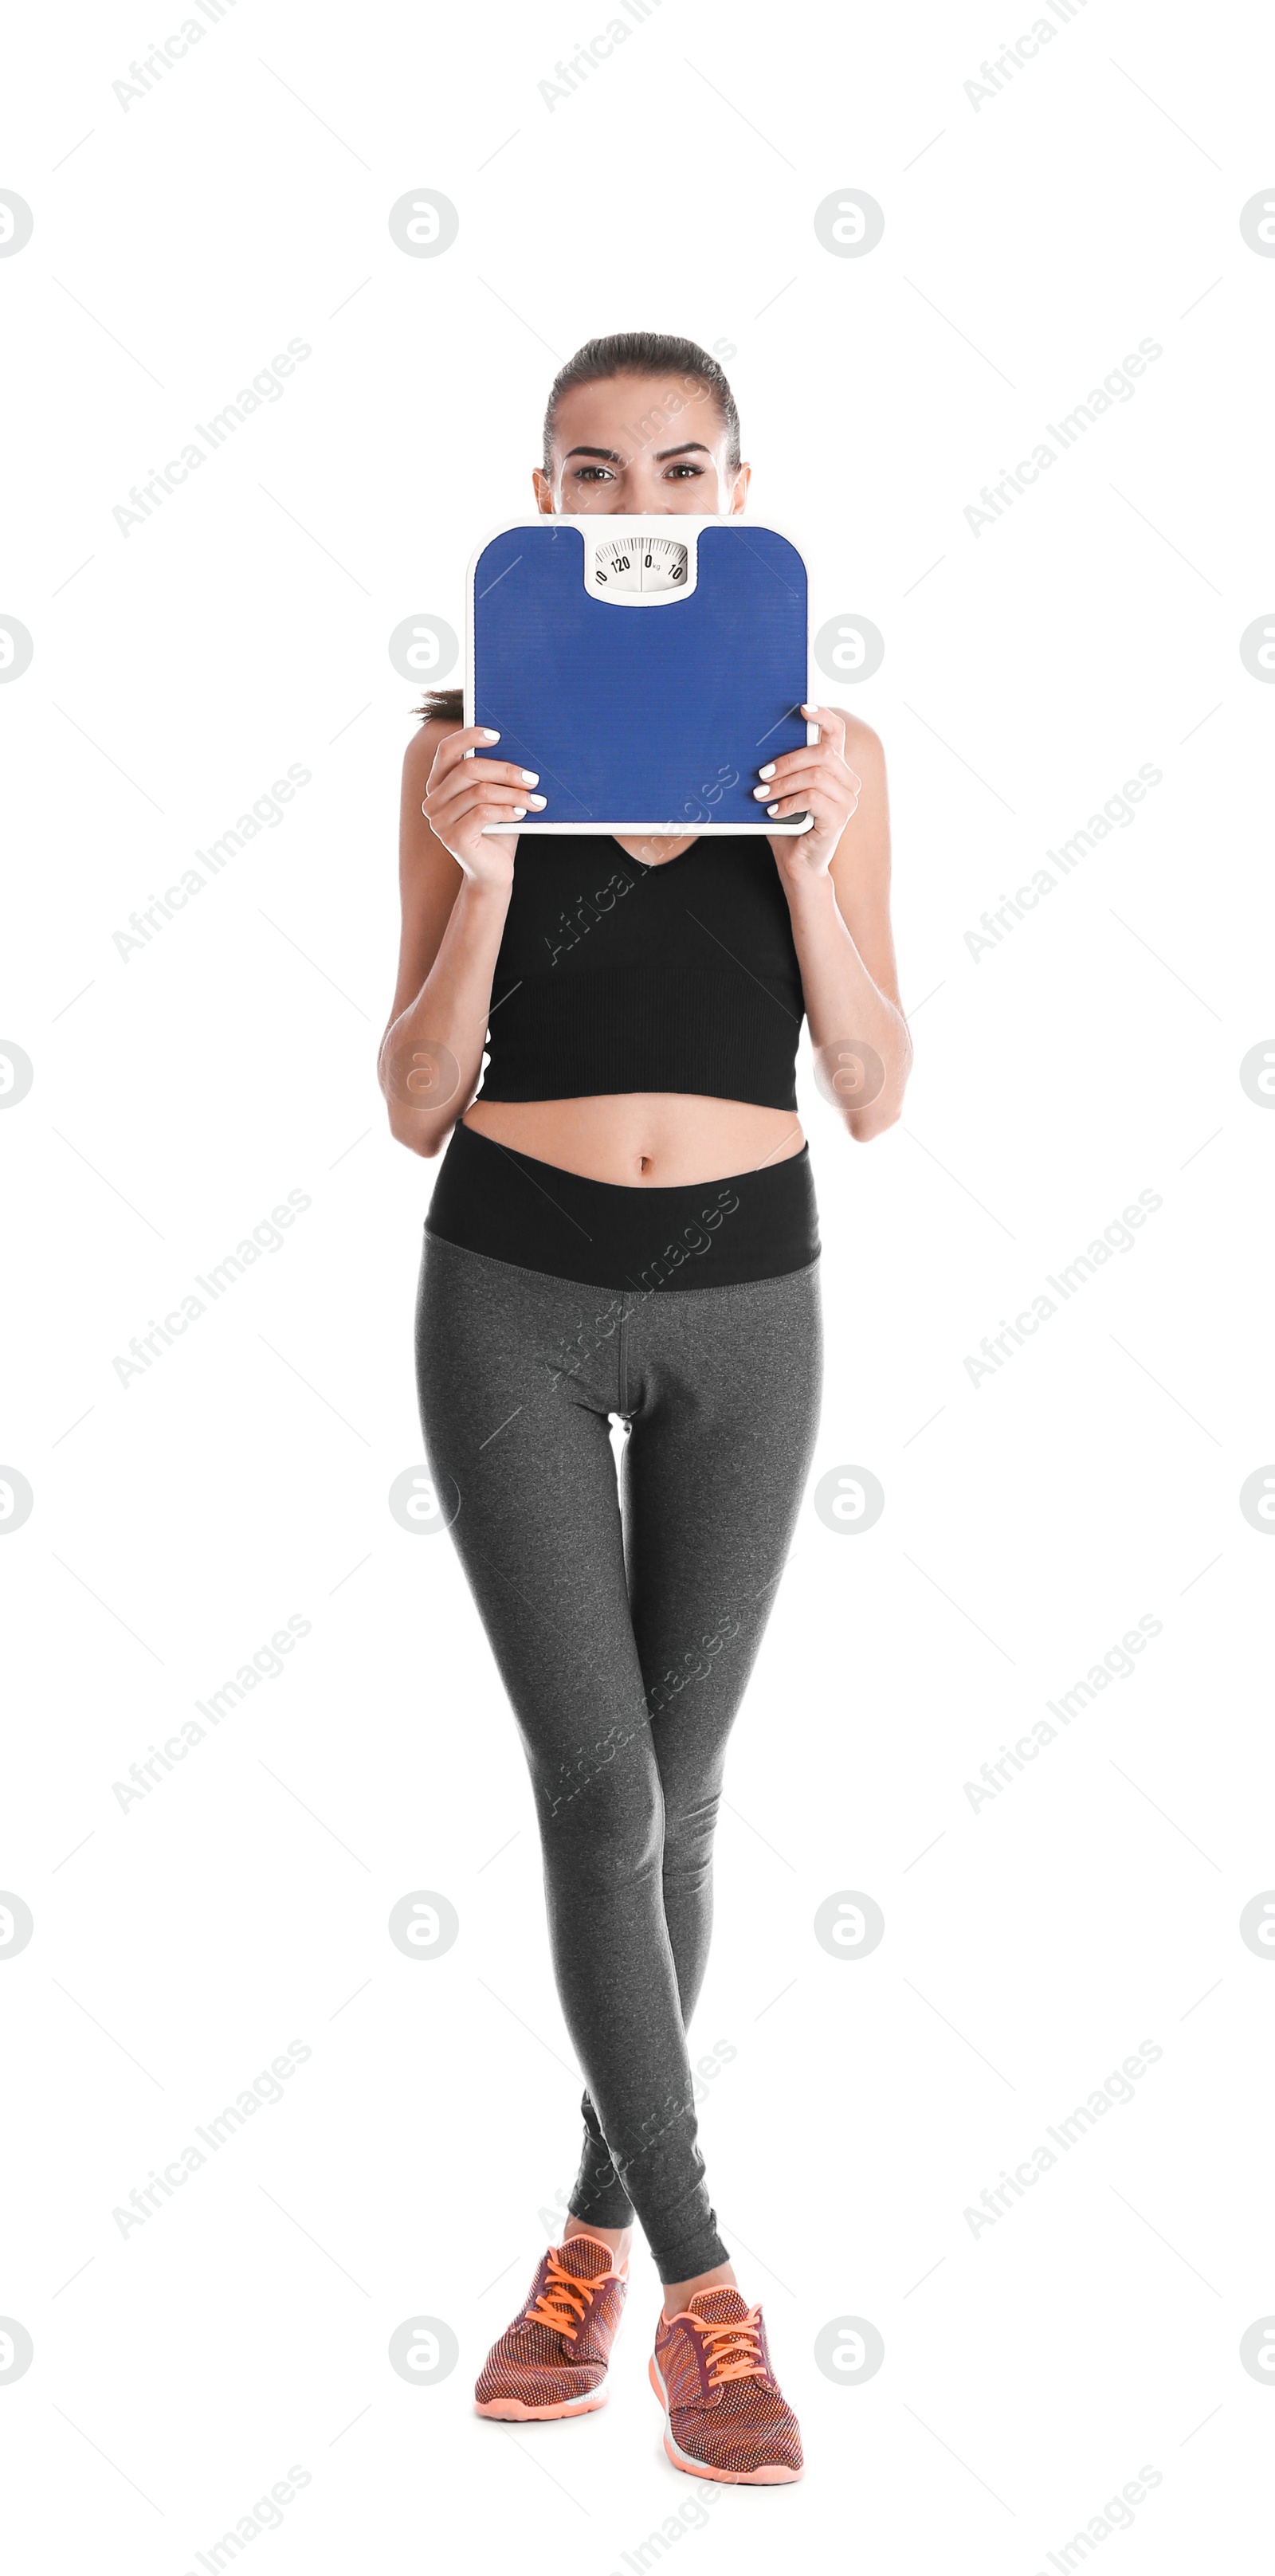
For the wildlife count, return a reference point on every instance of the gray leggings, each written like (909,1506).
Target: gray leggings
(624,1625)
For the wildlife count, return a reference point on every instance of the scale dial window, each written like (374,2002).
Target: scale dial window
(638,567)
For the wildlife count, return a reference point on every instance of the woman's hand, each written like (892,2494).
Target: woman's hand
(818,781)
(462,795)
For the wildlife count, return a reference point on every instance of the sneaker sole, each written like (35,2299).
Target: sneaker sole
(771,2476)
(512,2410)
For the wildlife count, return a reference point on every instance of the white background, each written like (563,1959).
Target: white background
(414,2164)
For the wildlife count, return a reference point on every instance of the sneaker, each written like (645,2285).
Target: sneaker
(725,2416)
(553,2359)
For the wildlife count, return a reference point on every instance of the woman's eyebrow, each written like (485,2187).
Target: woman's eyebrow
(610,456)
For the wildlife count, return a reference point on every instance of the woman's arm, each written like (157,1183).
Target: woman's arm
(837,881)
(455,889)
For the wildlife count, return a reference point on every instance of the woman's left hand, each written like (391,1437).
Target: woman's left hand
(816,780)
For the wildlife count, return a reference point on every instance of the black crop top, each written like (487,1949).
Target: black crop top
(616,976)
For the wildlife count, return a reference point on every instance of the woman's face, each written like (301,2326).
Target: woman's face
(640,444)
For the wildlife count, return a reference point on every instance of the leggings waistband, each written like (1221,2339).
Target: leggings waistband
(706,1234)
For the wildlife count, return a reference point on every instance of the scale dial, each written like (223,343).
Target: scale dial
(638,566)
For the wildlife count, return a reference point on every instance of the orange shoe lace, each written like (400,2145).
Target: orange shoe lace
(556,2305)
(732,2350)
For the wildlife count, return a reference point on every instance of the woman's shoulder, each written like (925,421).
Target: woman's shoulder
(860,737)
(418,758)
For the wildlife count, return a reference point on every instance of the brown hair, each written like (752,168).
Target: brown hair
(645,353)
(442,706)
(620,353)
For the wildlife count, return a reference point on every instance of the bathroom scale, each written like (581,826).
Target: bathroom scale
(646,668)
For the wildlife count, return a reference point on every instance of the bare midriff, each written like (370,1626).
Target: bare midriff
(651,1139)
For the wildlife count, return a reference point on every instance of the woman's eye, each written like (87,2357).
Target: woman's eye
(686,472)
(592,473)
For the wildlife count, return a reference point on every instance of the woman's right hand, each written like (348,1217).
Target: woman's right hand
(462,795)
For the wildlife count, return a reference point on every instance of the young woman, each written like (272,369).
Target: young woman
(624,1223)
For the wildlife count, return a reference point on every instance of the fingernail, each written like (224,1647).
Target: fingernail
(490,734)
(532,777)
(772,809)
(768,771)
(761,791)
(810,711)
(518,812)
(537,800)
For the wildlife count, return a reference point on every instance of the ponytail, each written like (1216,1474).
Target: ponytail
(442,706)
